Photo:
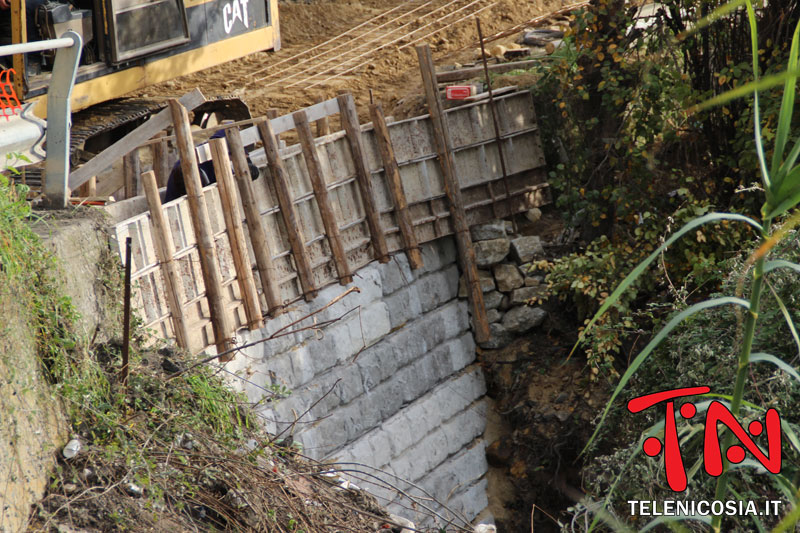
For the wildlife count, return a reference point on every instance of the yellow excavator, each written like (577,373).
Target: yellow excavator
(128,45)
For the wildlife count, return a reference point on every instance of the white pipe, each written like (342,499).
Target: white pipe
(35,46)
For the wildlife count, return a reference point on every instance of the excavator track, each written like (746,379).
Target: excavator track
(98,127)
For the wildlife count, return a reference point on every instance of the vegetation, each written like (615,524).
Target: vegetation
(664,152)
(175,448)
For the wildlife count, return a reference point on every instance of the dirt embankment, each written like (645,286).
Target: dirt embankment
(388,70)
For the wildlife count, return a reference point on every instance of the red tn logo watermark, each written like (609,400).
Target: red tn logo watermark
(716,414)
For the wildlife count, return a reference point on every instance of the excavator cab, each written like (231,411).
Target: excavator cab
(129,44)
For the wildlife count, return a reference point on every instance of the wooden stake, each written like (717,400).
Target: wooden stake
(349,117)
(161,166)
(88,189)
(233,223)
(452,189)
(395,186)
(321,194)
(322,125)
(202,228)
(131,169)
(165,251)
(293,230)
(258,238)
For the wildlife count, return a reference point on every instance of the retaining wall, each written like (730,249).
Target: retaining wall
(405,397)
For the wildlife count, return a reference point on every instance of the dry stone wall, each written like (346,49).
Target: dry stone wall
(391,385)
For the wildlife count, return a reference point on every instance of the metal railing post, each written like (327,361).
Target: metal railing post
(55,190)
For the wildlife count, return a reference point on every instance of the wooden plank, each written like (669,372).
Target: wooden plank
(349,117)
(290,219)
(209,262)
(160,152)
(453,192)
(321,194)
(474,72)
(233,223)
(322,125)
(258,238)
(106,158)
(165,251)
(131,169)
(395,186)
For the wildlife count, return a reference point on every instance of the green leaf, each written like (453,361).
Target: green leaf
(774,264)
(788,203)
(786,316)
(767,82)
(780,363)
(641,267)
(762,160)
(788,521)
(660,336)
(790,434)
(787,106)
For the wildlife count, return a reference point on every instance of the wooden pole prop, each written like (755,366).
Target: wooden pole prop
(165,251)
(294,232)
(349,117)
(258,238)
(395,186)
(131,168)
(452,189)
(202,228)
(233,223)
(322,125)
(321,194)
(160,151)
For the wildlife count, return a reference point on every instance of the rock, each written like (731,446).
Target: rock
(526,294)
(561,398)
(71,449)
(521,319)
(509,227)
(492,299)
(533,214)
(499,337)
(486,279)
(499,453)
(496,229)
(134,490)
(524,249)
(533,281)
(491,252)
(485,528)
(507,277)
(493,315)
(401,525)
(505,303)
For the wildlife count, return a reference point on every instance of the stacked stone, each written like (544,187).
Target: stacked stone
(510,291)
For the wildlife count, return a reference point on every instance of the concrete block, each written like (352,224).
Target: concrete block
(396,274)
(375,364)
(302,366)
(472,501)
(381,447)
(375,322)
(404,306)
(462,352)
(438,288)
(465,426)
(431,328)
(438,254)
(457,472)
(412,341)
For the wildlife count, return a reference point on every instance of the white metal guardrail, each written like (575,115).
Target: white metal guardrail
(54,189)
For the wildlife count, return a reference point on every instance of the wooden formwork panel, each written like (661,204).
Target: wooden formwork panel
(479,173)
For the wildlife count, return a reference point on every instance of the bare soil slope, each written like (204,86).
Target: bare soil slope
(385,61)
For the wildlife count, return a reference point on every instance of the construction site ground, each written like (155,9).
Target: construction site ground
(319,58)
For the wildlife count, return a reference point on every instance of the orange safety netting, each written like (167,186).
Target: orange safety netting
(9,103)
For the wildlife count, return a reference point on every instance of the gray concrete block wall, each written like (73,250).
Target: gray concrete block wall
(390,385)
